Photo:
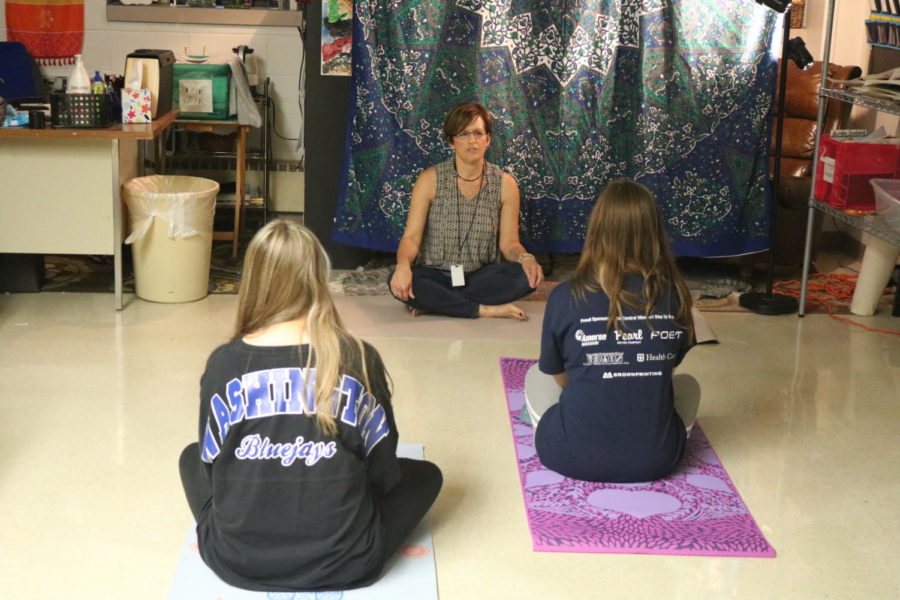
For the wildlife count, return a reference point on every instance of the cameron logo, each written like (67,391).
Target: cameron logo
(589,339)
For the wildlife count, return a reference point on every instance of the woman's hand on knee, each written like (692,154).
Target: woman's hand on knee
(401,284)
(533,270)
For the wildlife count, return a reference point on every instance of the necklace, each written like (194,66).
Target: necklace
(469,180)
(459,237)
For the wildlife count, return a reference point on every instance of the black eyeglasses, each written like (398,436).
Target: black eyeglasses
(473,135)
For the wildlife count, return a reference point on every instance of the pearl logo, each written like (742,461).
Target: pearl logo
(630,337)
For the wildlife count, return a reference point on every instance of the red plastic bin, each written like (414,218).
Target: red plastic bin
(845,169)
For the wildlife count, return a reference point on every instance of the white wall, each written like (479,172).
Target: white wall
(278,51)
(848,47)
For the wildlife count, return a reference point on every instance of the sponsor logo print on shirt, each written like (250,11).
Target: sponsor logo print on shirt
(591,319)
(604,358)
(672,334)
(642,357)
(589,339)
(630,337)
(610,375)
(654,317)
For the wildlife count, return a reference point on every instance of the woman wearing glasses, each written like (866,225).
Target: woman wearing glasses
(460,254)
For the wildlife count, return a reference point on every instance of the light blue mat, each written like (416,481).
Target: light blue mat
(409,575)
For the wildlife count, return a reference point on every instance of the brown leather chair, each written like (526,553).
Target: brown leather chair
(801,109)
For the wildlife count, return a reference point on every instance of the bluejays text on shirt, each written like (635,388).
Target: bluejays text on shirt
(273,392)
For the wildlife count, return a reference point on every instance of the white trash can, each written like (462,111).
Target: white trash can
(171,225)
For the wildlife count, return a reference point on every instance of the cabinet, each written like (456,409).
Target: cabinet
(193,147)
(883,237)
(79,209)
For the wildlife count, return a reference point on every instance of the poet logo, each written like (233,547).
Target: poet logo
(666,334)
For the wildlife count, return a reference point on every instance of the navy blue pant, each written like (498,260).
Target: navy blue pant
(496,283)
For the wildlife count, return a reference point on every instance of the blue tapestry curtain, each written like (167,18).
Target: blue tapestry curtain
(675,94)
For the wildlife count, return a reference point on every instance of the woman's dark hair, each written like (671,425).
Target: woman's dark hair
(464,113)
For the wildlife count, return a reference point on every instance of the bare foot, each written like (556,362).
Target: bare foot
(415,311)
(503,311)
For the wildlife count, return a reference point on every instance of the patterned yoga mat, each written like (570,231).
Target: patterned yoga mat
(695,511)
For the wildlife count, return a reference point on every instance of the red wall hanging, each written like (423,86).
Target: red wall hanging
(51,30)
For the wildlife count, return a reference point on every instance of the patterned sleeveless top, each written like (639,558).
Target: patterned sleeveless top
(455,220)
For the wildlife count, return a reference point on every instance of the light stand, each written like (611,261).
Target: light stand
(769,303)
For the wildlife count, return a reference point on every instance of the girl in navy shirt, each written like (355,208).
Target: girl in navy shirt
(602,397)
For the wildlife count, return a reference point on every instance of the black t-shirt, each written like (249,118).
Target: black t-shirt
(293,508)
(615,420)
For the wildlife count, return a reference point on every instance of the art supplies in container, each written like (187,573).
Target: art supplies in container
(81,111)
(97,84)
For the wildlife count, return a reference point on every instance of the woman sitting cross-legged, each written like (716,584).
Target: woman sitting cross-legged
(295,483)
(463,219)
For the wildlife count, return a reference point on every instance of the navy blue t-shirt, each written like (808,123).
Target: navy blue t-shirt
(615,420)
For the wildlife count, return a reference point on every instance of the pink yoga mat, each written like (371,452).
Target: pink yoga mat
(694,511)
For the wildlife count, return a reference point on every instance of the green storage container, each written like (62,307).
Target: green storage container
(201,91)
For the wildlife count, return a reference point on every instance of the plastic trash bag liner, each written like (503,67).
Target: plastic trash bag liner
(187,204)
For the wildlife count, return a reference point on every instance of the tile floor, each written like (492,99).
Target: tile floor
(95,407)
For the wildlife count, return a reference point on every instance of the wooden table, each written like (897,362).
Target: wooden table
(206,126)
(62,188)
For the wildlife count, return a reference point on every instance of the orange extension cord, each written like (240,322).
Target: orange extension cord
(824,289)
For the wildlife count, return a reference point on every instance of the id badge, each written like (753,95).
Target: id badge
(457,276)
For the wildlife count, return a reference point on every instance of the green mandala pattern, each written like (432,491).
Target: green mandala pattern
(673,93)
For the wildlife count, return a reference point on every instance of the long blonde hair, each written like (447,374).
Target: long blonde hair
(285,277)
(625,235)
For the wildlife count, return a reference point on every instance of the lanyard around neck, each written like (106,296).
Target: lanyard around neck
(481,186)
